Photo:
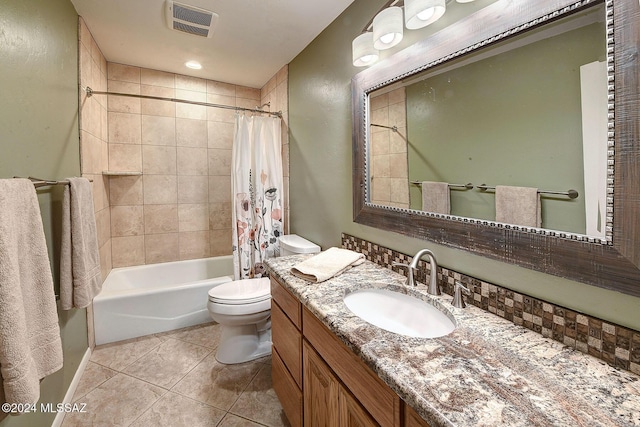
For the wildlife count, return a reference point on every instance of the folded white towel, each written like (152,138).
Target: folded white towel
(80,275)
(436,197)
(30,344)
(518,205)
(327,264)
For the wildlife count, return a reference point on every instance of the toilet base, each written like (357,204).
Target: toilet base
(243,343)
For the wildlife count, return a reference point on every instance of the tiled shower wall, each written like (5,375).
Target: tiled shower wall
(94,150)
(389,163)
(180,207)
(177,204)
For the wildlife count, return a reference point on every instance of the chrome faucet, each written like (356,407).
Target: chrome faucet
(433,288)
(458,290)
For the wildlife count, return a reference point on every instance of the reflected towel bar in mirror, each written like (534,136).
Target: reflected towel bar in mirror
(572,194)
(467,186)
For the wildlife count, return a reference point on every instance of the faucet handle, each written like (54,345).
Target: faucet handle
(410,270)
(458,290)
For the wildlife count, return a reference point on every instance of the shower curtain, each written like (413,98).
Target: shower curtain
(256,186)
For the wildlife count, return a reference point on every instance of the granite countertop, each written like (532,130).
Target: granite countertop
(487,372)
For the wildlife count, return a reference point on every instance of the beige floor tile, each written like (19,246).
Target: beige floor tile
(117,402)
(216,384)
(121,354)
(206,335)
(167,363)
(93,376)
(259,401)
(234,421)
(175,410)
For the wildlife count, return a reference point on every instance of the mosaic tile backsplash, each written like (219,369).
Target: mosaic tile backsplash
(616,345)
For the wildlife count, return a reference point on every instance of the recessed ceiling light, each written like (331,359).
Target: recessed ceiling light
(194,65)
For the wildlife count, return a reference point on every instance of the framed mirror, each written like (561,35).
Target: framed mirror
(519,95)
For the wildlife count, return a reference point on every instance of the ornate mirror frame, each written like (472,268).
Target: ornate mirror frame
(611,263)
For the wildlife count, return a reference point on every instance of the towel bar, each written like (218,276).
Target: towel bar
(572,194)
(468,186)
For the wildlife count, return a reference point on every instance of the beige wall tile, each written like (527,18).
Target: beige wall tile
(106,263)
(398,166)
(248,93)
(124,128)
(192,161)
(221,114)
(160,219)
(158,160)
(194,244)
(220,242)
(154,107)
(220,134)
(84,60)
(125,157)
(191,133)
(126,221)
(125,73)
(220,216)
(193,189)
(282,76)
(160,189)
(397,141)
(220,88)
(127,251)
(158,130)
(191,83)
(103,226)
(161,248)
(123,104)
(219,189)
(157,78)
(193,217)
(125,190)
(219,161)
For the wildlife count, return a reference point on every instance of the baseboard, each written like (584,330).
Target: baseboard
(57,422)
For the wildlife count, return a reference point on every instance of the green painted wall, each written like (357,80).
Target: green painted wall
(39,137)
(320,170)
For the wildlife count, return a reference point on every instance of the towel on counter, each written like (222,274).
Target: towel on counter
(327,264)
(30,345)
(80,275)
(518,206)
(435,197)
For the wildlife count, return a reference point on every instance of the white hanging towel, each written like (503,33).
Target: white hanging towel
(518,206)
(436,197)
(30,345)
(80,275)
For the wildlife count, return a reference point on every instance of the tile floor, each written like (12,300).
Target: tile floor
(173,379)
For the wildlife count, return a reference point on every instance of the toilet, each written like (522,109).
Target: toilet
(243,309)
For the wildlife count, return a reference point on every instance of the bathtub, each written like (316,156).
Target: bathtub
(147,299)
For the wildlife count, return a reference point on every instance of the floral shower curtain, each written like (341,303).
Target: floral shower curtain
(256,186)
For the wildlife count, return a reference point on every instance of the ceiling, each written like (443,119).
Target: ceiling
(252,40)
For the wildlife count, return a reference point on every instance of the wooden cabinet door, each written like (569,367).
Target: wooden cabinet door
(352,414)
(320,391)
(412,419)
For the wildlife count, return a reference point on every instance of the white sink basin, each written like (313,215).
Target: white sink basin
(399,313)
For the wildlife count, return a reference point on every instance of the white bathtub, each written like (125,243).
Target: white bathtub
(147,299)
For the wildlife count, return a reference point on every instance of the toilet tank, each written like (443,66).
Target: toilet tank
(292,244)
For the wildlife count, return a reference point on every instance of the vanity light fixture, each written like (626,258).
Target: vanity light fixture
(194,65)
(387,28)
(363,51)
(420,13)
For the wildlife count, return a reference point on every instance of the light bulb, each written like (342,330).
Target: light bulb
(426,14)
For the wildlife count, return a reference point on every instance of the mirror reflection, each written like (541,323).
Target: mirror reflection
(502,134)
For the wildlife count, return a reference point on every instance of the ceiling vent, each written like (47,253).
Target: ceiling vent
(190,19)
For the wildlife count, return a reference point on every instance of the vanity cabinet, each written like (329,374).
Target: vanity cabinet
(320,381)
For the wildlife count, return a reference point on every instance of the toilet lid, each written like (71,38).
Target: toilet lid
(243,291)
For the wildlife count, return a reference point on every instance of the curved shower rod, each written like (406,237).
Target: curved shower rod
(90,92)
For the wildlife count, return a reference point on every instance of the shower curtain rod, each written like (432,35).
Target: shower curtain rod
(90,92)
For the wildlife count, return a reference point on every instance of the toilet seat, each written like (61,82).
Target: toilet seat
(241,292)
